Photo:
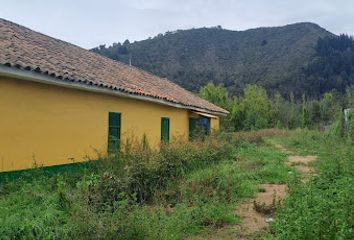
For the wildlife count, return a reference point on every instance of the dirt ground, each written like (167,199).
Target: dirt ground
(305,160)
(250,212)
(282,149)
(257,213)
(303,164)
(253,220)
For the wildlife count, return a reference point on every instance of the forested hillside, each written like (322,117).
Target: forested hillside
(332,67)
(273,57)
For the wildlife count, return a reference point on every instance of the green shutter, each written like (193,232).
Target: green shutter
(165,130)
(114,121)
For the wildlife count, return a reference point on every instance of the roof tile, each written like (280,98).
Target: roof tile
(30,50)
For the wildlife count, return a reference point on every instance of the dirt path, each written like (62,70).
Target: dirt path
(282,149)
(303,164)
(255,214)
(258,212)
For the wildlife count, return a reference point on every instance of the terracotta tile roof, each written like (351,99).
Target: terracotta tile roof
(29,50)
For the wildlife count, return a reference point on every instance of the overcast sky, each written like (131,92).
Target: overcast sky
(89,23)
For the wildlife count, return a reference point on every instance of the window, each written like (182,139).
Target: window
(165,130)
(193,128)
(205,125)
(114,121)
(199,127)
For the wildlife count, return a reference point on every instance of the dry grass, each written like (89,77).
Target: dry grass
(257,136)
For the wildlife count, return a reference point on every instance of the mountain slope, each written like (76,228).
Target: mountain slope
(270,57)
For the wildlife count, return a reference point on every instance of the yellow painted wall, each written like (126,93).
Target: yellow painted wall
(49,125)
(214,124)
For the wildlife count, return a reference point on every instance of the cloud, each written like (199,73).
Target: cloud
(90,23)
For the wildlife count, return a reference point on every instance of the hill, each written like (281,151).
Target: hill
(272,57)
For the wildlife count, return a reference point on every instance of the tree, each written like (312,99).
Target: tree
(256,107)
(285,113)
(305,117)
(314,112)
(349,97)
(216,94)
(236,115)
(281,112)
(327,107)
(123,50)
(294,113)
(332,67)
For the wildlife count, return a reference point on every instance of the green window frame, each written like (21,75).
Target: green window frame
(114,130)
(165,130)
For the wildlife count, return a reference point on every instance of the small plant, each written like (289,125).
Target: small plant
(266,209)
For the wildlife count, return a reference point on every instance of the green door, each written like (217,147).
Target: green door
(165,130)
(114,122)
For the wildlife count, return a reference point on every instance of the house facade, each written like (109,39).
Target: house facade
(61,104)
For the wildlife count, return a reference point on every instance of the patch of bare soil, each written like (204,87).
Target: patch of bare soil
(305,160)
(305,170)
(282,149)
(271,193)
(255,214)
(258,212)
(303,165)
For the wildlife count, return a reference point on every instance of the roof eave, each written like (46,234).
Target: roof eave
(46,79)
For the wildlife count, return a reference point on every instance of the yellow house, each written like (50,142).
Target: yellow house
(60,103)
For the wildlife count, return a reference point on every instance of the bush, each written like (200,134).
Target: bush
(108,199)
(141,194)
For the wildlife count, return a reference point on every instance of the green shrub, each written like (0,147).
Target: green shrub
(350,129)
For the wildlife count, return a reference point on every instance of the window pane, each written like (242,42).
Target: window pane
(114,120)
(165,129)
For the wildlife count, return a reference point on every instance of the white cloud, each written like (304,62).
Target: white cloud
(89,23)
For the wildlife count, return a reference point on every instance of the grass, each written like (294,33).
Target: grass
(323,208)
(179,192)
(183,191)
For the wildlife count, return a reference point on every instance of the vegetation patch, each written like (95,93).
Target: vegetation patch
(321,208)
(186,191)
(178,192)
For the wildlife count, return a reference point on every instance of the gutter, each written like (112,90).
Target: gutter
(49,80)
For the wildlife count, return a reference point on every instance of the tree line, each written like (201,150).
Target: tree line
(255,109)
(332,67)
